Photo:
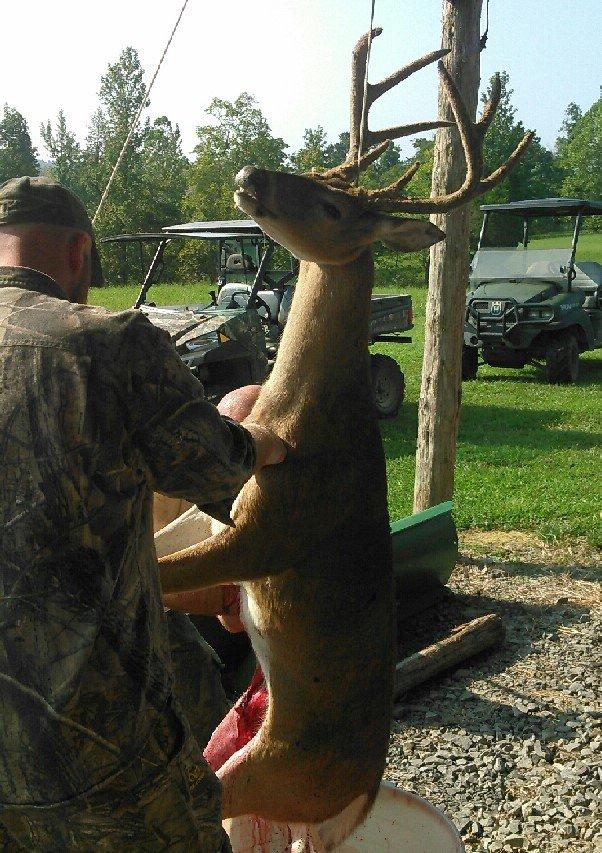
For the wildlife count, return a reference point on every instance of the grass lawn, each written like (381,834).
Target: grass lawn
(589,247)
(528,453)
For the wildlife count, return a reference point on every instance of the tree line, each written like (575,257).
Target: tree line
(157,184)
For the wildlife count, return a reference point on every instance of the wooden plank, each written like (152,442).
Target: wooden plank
(466,640)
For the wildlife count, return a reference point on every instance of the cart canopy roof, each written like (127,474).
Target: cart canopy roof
(220,230)
(547,207)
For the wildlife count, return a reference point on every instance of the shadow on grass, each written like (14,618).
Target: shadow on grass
(493,427)
(526,624)
(590,375)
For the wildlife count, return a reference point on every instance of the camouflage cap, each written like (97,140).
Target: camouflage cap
(45,201)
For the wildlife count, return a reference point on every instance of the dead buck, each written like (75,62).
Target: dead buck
(311,545)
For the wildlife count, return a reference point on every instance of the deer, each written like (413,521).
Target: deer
(309,543)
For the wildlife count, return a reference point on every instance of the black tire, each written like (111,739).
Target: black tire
(562,359)
(470,362)
(388,385)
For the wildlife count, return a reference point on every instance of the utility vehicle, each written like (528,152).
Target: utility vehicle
(233,340)
(530,305)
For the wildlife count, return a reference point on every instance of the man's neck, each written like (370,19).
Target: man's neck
(30,279)
(28,261)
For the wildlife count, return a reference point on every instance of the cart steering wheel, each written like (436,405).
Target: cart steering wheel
(258,302)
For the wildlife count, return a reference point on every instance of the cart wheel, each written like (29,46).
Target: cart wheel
(562,359)
(470,362)
(388,385)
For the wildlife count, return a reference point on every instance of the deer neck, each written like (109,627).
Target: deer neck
(323,354)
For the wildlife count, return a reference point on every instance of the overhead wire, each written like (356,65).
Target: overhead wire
(143,103)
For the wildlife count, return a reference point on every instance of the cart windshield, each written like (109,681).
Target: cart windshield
(521,263)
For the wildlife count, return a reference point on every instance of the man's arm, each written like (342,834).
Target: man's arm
(221,601)
(190,450)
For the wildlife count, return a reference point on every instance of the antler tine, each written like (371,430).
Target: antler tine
(500,173)
(375,90)
(491,106)
(359,60)
(392,190)
(377,141)
(346,172)
(391,133)
(471,136)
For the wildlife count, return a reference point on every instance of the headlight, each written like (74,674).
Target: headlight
(538,313)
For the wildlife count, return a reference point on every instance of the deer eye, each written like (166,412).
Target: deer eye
(332,211)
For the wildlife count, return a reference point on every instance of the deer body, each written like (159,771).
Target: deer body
(322,622)
(311,541)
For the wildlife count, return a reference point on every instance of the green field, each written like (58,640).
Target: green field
(528,453)
(589,247)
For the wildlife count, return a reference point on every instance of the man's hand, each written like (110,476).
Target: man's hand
(220,601)
(238,405)
(269,448)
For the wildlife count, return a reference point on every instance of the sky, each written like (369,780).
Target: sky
(292,55)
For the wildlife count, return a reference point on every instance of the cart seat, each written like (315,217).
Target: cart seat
(588,279)
(235,262)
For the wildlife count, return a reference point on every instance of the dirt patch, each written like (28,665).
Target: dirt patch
(526,552)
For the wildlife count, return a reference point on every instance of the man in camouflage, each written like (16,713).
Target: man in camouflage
(97,411)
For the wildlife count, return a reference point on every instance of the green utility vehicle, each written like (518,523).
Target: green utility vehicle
(532,305)
(233,341)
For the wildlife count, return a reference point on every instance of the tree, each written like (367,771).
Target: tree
(440,391)
(121,93)
(240,136)
(580,152)
(572,114)
(314,152)
(150,184)
(164,171)
(67,159)
(337,151)
(17,154)
(535,176)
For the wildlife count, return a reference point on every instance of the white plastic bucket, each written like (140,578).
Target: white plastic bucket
(399,822)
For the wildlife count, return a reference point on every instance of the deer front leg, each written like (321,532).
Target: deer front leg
(233,555)
(272,532)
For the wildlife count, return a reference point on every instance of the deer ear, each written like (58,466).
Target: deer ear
(406,235)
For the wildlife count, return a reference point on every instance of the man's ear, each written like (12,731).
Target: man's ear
(79,245)
(406,235)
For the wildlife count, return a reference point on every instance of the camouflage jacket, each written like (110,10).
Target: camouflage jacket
(97,412)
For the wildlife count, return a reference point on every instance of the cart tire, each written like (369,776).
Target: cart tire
(562,359)
(388,385)
(470,362)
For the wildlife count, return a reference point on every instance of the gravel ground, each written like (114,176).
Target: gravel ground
(510,745)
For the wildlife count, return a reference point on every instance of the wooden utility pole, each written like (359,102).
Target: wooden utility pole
(441,368)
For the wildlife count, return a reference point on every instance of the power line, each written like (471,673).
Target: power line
(138,114)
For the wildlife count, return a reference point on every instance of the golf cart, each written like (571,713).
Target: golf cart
(233,341)
(528,305)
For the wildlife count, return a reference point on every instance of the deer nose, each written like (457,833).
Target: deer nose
(249,177)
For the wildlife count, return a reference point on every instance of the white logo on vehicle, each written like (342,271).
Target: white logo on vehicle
(497,308)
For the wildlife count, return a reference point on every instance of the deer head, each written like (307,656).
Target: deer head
(324,217)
